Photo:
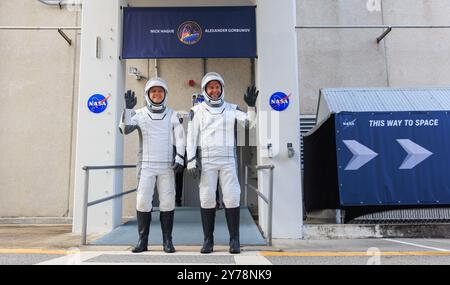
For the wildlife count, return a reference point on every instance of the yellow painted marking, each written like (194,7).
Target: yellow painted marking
(36,251)
(355,254)
(264,253)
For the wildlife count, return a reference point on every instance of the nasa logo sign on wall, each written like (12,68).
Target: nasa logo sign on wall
(97,103)
(189,33)
(279,101)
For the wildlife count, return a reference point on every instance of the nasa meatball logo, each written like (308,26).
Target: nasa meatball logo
(348,123)
(189,33)
(279,101)
(97,103)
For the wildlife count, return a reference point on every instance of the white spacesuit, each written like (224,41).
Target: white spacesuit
(160,129)
(211,146)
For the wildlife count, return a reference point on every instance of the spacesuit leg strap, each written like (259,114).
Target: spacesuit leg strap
(145,190)
(230,185)
(166,191)
(208,187)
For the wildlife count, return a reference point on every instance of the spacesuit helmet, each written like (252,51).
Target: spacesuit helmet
(213,76)
(152,106)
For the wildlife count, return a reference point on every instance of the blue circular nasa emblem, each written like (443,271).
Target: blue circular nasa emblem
(200,98)
(97,103)
(279,101)
(189,33)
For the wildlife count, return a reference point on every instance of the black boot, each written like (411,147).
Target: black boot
(166,219)
(208,218)
(143,220)
(232,216)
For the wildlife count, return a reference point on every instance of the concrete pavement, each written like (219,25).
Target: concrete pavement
(57,245)
(347,252)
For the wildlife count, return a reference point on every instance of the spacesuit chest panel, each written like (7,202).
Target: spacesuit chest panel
(157,135)
(217,131)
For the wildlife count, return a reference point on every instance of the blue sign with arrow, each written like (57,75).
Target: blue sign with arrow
(399,158)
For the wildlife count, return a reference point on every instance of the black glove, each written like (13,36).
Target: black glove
(251,95)
(130,99)
(178,168)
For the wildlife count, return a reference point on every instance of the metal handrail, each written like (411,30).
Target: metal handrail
(268,200)
(87,204)
(99,201)
(108,167)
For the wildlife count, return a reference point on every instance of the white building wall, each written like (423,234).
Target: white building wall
(38,90)
(98,139)
(277,72)
(352,57)
(39,80)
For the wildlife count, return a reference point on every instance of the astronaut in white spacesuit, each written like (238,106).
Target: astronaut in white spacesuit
(160,129)
(211,148)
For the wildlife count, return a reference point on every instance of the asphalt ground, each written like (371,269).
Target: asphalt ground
(323,252)
(53,244)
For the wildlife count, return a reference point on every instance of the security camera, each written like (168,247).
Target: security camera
(135,72)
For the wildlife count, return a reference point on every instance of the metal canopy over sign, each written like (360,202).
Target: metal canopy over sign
(189,32)
(400,158)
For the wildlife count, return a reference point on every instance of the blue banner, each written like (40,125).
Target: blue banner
(189,32)
(400,158)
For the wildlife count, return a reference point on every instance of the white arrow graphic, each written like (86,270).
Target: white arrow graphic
(416,154)
(361,154)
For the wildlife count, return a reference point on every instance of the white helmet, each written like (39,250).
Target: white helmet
(213,76)
(153,82)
